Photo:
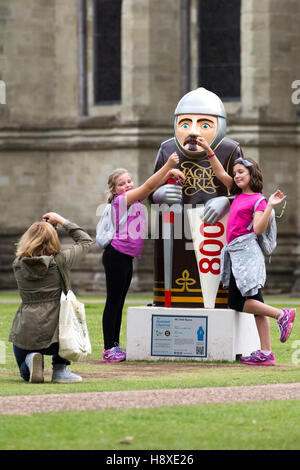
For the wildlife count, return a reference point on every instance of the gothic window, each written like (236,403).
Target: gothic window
(107,51)
(219,47)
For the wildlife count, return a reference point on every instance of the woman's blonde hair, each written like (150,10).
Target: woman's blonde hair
(39,240)
(111,183)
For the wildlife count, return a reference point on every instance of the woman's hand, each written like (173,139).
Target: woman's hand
(53,218)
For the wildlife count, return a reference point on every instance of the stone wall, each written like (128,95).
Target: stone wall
(38,68)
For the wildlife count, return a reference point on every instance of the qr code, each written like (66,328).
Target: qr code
(200,350)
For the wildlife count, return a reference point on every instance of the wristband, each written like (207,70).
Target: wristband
(210,155)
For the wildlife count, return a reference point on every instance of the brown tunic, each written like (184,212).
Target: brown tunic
(200,186)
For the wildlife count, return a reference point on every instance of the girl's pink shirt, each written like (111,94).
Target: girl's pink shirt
(241,214)
(129,237)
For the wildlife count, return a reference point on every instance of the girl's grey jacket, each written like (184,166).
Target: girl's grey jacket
(35,325)
(246,260)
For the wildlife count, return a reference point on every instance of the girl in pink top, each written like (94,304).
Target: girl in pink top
(126,244)
(247,184)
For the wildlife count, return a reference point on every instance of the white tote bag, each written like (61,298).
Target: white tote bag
(74,341)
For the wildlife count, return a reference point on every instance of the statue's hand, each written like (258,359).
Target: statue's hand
(215,209)
(168,194)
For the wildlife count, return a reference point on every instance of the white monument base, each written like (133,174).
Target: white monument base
(155,333)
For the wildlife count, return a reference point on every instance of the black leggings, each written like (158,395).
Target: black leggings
(118,272)
(235,299)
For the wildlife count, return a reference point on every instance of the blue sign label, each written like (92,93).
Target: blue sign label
(179,335)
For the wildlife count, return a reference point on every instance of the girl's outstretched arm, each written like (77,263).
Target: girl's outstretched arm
(216,165)
(152,183)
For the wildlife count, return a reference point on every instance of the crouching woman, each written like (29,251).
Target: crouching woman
(34,331)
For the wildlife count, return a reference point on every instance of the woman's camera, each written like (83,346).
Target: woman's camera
(53,225)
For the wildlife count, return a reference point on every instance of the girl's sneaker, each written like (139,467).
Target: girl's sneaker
(115,354)
(285,325)
(258,358)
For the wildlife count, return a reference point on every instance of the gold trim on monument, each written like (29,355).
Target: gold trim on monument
(161,289)
(177,299)
(185,281)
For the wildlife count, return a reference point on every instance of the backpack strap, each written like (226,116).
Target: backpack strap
(126,215)
(254,209)
(63,271)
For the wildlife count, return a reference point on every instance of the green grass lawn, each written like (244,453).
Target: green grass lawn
(261,426)
(269,425)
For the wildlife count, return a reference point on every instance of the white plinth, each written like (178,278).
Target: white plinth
(229,333)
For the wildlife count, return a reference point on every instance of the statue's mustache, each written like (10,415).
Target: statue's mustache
(191,139)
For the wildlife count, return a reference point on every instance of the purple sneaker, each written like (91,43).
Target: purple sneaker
(115,354)
(285,325)
(258,358)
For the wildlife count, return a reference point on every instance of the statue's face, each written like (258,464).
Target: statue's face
(191,126)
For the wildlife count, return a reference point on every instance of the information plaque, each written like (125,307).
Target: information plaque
(179,335)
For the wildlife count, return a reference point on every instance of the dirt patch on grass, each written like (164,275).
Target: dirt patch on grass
(147,369)
(146,398)
(143,369)
(158,369)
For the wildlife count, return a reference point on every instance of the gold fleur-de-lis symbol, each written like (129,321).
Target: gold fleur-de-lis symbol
(185,281)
